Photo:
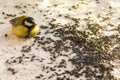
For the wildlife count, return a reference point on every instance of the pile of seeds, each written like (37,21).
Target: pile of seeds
(93,50)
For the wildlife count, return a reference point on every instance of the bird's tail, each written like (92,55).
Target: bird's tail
(13,21)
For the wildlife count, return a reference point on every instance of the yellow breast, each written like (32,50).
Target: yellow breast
(22,31)
(34,31)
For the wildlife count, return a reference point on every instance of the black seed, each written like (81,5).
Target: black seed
(6,35)
(38,77)
(3,13)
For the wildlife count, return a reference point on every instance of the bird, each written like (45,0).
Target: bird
(24,26)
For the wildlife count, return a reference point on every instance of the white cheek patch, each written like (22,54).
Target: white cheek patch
(28,24)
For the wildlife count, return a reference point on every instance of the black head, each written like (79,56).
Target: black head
(29,22)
